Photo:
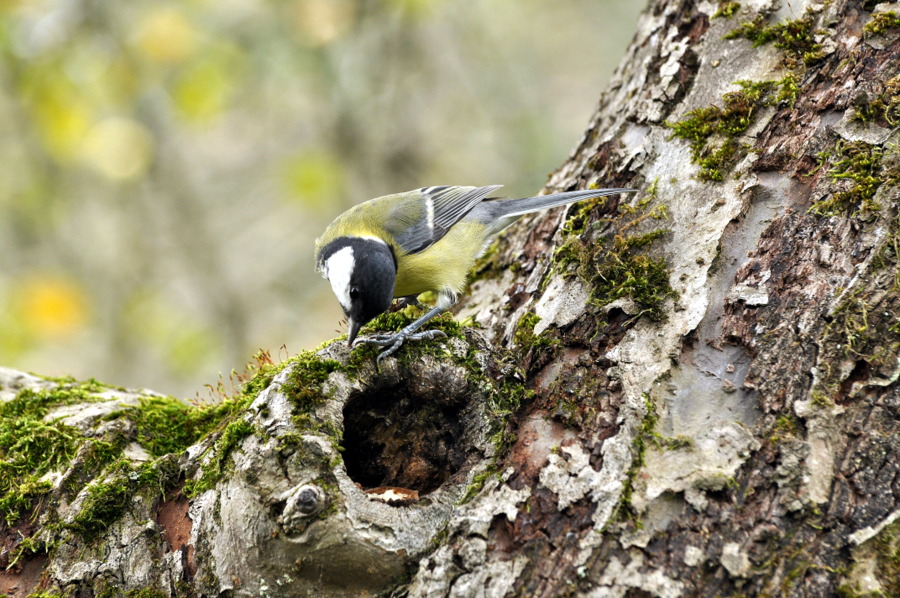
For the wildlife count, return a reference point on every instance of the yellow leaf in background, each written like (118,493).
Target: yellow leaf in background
(50,306)
(119,148)
(165,36)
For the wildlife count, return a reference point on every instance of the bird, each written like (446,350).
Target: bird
(401,245)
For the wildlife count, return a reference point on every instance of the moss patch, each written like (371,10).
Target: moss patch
(302,386)
(31,447)
(396,320)
(526,338)
(859,166)
(43,460)
(884,108)
(616,265)
(862,336)
(304,382)
(713,132)
(880,23)
(644,436)
(885,550)
(167,425)
(219,460)
(795,38)
(108,500)
(727,9)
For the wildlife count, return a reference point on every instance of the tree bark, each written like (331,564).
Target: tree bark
(693,393)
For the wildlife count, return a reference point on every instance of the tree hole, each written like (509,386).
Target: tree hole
(393,438)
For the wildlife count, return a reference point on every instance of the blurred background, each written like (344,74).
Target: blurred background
(167,166)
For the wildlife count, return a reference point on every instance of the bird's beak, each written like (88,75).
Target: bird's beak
(354,330)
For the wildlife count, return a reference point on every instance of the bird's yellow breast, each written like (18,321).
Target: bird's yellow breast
(444,265)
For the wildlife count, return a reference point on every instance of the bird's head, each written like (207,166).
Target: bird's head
(362,273)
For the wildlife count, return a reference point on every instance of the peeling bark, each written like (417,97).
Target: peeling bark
(731,427)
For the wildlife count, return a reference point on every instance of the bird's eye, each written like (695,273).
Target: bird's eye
(354,292)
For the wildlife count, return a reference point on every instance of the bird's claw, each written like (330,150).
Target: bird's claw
(403,303)
(396,340)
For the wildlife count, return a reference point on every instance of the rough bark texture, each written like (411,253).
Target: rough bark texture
(692,394)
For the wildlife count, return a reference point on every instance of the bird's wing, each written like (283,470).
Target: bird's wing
(428,213)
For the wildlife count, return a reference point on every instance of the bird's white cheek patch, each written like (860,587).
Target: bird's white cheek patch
(338,268)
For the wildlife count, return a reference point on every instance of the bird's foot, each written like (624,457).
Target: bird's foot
(396,340)
(403,303)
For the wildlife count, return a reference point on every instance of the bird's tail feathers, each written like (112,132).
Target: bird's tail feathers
(513,208)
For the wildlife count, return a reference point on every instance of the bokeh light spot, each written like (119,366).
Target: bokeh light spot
(314,179)
(201,92)
(119,148)
(51,307)
(321,21)
(165,36)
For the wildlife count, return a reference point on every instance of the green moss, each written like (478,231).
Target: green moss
(887,551)
(820,399)
(640,277)
(304,382)
(167,425)
(862,331)
(525,336)
(487,266)
(580,214)
(108,500)
(394,321)
(884,549)
(786,426)
(502,406)
(615,266)
(219,462)
(880,23)
(304,389)
(713,132)
(788,88)
(92,458)
(727,9)
(302,386)
(674,443)
(31,447)
(245,386)
(116,592)
(795,38)
(652,190)
(861,164)
(645,435)
(478,483)
(884,108)
(506,396)
(225,418)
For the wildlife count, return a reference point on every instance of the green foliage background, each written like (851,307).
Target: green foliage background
(166,166)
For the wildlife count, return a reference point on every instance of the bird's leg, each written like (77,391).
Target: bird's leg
(395,341)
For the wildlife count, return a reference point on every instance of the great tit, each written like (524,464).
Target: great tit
(402,245)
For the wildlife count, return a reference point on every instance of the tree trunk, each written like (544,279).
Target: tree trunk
(693,393)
